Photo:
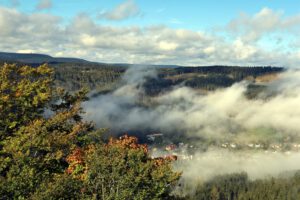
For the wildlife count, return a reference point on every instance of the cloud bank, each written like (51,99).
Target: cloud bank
(258,165)
(239,43)
(266,21)
(225,115)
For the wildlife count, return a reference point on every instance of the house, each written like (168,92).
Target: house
(170,147)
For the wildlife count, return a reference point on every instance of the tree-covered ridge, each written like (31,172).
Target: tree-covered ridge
(239,187)
(206,78)
(105,77)
(35,58)
(48,152)
(102,77)
(92,76)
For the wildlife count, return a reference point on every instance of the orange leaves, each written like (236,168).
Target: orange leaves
(18,93)
(76,157)
(76,161)
(131,142)
(128,142)
(171,158)
(162,161)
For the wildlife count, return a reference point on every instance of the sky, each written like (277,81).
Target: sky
(189,32)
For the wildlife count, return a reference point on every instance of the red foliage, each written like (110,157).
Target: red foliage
(74,159)
(161,161)
(129,142)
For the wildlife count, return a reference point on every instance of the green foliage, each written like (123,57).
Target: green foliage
(34,147)
(60,187)
(222,187)
(24,92)
(38,151)
(97,77)
(123,169)
(105,77)
(58,156)
(239,187)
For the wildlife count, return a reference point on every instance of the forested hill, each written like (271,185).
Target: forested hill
(73,74)
(105,77)
(35,59)
(32,58)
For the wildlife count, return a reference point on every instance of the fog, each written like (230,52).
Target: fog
(256,164)
(222,115)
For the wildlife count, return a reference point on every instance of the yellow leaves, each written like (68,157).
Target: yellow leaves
(37,123)
(33,141)
(77,128)
(25,70)
(44,69)
(59,154)
(12,125)
(5,98)
(18,93)
(24,91)
(35,101)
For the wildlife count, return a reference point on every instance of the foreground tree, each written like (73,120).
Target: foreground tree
(48,152)
(24,92)
(123,169)
(34,146)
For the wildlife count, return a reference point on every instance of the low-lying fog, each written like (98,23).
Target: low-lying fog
(222,115)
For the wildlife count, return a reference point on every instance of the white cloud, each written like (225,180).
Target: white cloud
(243,51)
(123,11)
(83,37)
(266,21)
(44,4)
(88,40)
(167,46)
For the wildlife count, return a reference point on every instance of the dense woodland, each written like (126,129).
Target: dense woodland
(239,186)
(103,77)
(73,77)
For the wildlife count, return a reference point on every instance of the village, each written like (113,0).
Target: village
(186,151)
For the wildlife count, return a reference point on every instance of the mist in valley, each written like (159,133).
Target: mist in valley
(259,136)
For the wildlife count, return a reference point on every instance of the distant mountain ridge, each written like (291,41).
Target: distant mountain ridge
(34,58)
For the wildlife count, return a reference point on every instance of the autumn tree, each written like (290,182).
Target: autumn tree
(48,152)
(24,92)
(123,169)
(34,145)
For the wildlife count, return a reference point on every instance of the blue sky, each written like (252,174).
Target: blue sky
(191,32)
(191,14)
